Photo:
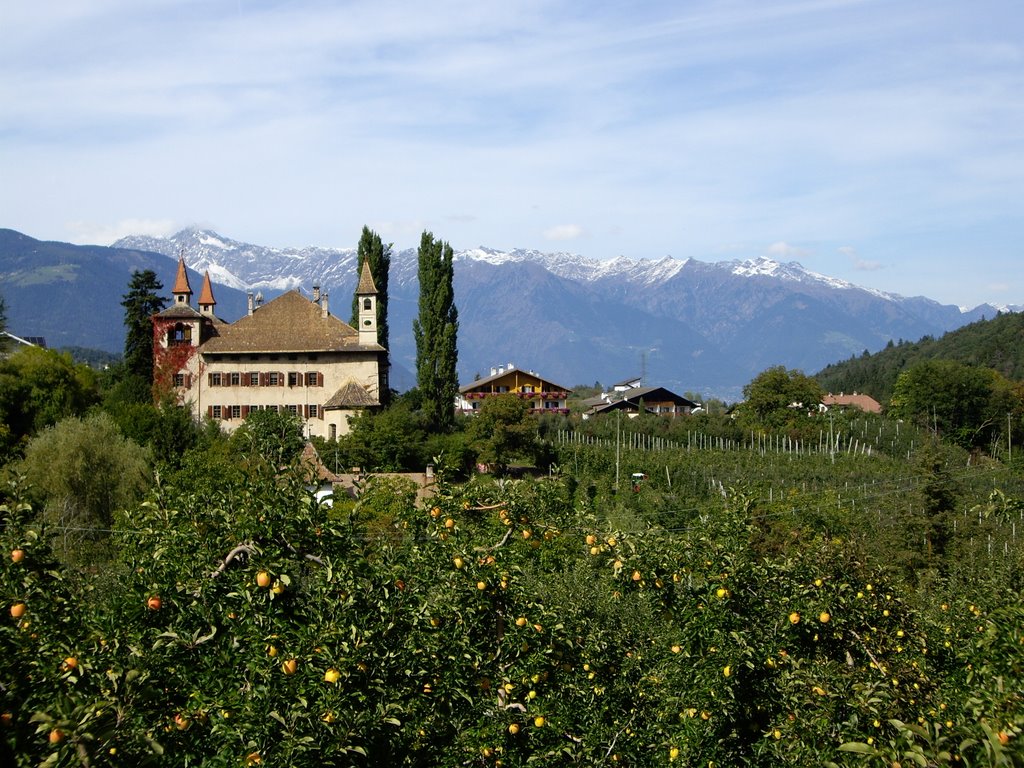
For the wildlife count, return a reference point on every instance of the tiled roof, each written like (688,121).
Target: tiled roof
(507,371)
(183,311)
(636,394)
(351,395)
(289,323)
(866,403)
(206,294)
(366,284)
(181,280)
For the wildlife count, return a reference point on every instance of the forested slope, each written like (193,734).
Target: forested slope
(997,343)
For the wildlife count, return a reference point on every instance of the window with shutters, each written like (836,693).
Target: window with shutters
(313,411)
(293,409)
(254,379)
(236,411)
(311,378)
(179,379)
(293,378)
(216,412)
(272,379)
(236,379)
(215,379)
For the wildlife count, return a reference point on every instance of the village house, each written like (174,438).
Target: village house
(635,400)
(543,395)
(290,354)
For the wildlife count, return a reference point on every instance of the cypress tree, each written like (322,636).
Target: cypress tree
(435,331)
(373,250)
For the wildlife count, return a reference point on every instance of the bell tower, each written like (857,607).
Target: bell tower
(366,296)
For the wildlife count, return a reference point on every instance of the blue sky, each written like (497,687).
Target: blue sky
(879,141)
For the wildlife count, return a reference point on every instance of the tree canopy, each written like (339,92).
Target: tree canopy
(142,301)
(436,331)
(775,395)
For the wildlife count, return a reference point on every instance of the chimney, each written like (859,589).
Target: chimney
(510,367)
(323,305)
(316,293)
(494,371)
(252,302)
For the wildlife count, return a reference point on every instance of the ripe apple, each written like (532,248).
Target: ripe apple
(513,728)
(56,736)
(677,649)
(481,585)
(271,651)
(824,617)
(591,539)
(17,555)
(278,588)
(289,666)
(637,576)
(17,610)
(332,675)
(539,721)
(263,579)
(70,662)
(449,523)
(794,618)
(154,603)
(181,722)
(521,621)
(721,593)
(458,562)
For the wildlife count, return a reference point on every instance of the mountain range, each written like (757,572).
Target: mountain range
(692,326)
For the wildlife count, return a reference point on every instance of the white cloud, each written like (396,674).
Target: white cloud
(859,264)
(782,250)
(564,232)
(93,233)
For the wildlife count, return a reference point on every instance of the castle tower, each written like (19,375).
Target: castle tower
(182,291)
(206,300)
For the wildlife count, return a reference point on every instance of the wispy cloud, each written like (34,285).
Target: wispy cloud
(696,128)
(859,264)
(564,232)
(93,233)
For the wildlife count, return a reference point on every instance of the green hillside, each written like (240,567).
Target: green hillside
(997,343)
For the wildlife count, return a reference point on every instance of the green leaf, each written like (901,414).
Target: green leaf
(858,747)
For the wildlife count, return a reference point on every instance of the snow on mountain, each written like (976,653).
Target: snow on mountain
(700,326)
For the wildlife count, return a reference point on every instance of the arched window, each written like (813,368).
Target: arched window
(367,303)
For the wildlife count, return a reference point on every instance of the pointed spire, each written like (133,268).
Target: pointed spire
(206,300)
(366,284)
(182,290)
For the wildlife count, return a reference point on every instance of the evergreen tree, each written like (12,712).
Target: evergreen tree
(142,301)
(3,324)
(435,331)
(372,249)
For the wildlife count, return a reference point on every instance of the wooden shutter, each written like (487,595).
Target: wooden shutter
(319,379)
(209,411)
(281,378)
